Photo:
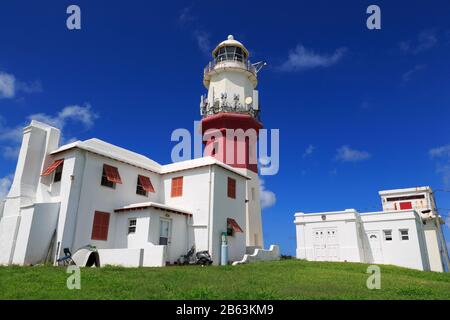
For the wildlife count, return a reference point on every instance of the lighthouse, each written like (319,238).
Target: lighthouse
(231,119)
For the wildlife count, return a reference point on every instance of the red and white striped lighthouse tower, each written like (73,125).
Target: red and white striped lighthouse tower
(230,112)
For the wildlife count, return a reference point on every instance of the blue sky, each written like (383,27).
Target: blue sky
(358,110)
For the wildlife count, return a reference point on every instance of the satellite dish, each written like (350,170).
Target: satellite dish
(248,100)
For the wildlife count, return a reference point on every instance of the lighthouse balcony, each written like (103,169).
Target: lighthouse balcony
(230,64)
(226,107)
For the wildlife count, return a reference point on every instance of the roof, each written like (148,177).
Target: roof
(108,150)
(146,205)
(111,151)
(230,42)
(406,190)
(197,163)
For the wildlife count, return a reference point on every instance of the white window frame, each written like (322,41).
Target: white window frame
(129,226)
(402,235)
(385,235)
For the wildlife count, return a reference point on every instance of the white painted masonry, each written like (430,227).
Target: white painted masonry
(37,208)
(406,233)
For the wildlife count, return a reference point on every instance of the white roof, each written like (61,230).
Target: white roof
(407,190)
(105,149)
(196,163)
(111,151)
(230,42)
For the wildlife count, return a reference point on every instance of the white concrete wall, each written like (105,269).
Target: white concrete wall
(406,253)
(37,142)
(121,257)
(272,254)
(433,246)
(95,197)
(225,207)
(254,233)
(37,225)
(147,232)
(230,82)
(345,222)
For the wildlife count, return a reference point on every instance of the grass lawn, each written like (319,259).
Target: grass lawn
(286,279)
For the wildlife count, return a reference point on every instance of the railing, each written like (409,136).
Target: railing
(222,106)
(247,65)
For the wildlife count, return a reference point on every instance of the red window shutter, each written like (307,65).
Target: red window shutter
(100,226)
(146,183)
(231,188)
(234,225)
(177,187)
(112,174)
(405,205)
(52,167)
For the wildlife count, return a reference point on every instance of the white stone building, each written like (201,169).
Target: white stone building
(134,210)
(406,233)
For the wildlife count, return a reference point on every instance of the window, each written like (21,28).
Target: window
(231,188)
(132,225)
(415,197)
(110,176)
(404,234)
(387,235)
(405,205)
(100,226)
(232,227)
(54,167)
(177,187)
(58,173)
(144,185)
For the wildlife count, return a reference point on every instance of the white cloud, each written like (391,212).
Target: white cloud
(12,137)
(10,86)
(347,154)
(267,198)
(76,113)
(408,74)
(7,85)
(442,155)
(186,16)
(426,40)
(301,59)
(5,184)
(309,151)
(203,41)
(443,151)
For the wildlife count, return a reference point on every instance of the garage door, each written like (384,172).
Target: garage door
(326,245)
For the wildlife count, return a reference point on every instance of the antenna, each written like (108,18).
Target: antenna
(259,65)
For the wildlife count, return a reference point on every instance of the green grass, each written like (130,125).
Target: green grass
(286,279)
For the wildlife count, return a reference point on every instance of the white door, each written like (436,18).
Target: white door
(319,245)
(332,245)
(326,245)
(375,253)
(165,228)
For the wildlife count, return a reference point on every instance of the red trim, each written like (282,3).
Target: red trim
(100,226)
(112,174)
(52,167)
(177,187)
(234,225)
(146,183)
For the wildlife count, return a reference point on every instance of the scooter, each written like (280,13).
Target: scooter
(201,258)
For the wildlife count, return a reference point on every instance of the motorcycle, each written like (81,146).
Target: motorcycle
(202,258)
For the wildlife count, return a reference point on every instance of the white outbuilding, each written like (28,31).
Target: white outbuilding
(406,233)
